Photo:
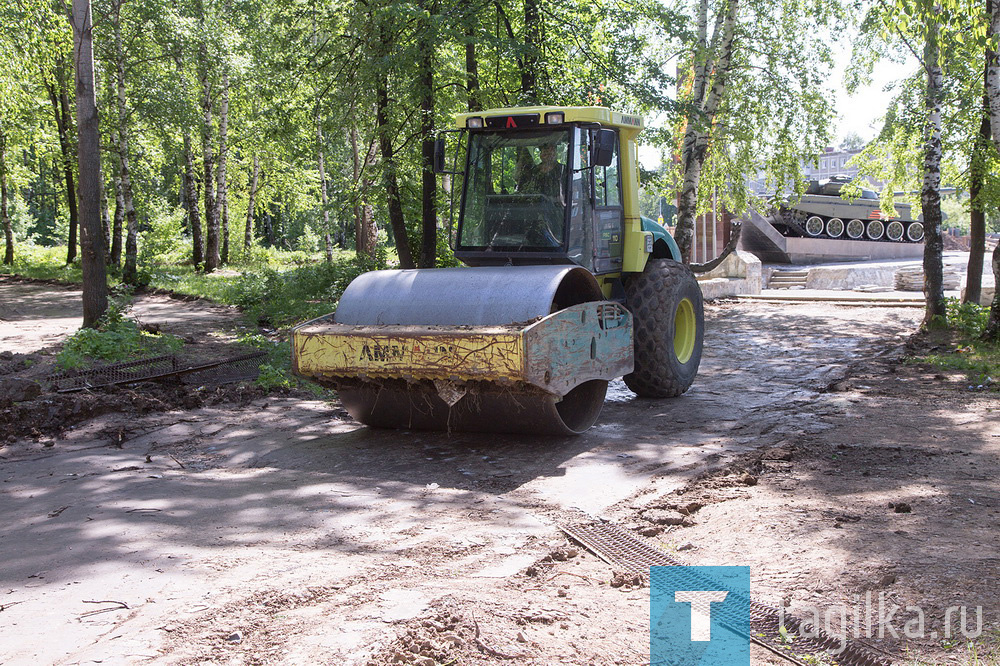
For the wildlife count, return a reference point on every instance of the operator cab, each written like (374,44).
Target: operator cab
(542,194)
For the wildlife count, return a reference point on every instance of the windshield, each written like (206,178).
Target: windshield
(515,192)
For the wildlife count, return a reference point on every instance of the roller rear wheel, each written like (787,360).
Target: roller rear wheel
(669,324)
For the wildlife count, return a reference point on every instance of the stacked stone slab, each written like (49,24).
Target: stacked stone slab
(911,278)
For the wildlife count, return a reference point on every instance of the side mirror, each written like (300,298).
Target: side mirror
(439,155)
(604,147)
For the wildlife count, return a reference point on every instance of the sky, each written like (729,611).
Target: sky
(861,113)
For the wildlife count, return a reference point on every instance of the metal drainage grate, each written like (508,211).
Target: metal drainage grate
(627,552)
(234,369)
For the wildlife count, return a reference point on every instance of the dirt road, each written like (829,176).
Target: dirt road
(282,532)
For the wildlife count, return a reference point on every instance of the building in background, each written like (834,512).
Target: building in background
(831,162)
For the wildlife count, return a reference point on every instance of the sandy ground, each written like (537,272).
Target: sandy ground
(282,532)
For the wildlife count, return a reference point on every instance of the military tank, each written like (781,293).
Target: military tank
(822,213)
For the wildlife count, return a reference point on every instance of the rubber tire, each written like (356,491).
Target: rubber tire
(653,297)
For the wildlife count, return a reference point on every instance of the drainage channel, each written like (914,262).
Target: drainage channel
(768,627)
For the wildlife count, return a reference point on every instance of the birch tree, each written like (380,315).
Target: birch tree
(751,93)
(993,100)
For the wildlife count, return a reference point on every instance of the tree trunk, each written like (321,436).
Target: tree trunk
(993,324)
(993,97)
(977,217)
(117,225)
(74,218)
(8,232)
(324,199)
(396,219)
(105,220)
(472,67)
(130,271)
(208,161)
(367,210)
(248,231)
(359,230)
(95,279)
(365,230)
(191,203)
(60,108)
(930,195)
(428,236)
(223,192)
(268,229)
(711,61)
(532,52)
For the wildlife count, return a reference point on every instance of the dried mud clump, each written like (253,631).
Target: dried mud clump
(438,639)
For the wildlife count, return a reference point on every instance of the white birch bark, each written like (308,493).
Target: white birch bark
(930,194)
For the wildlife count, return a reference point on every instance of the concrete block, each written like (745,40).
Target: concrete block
(740,273)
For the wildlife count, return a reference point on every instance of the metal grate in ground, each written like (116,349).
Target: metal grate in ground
(627,552)
(234,369)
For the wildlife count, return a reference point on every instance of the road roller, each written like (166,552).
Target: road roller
(564,288)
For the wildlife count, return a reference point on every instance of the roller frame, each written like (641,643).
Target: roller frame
(555,354)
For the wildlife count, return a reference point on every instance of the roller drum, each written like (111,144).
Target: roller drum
(482,296)
(399,404)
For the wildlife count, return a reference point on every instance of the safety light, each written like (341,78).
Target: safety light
(474,122)
(555,118)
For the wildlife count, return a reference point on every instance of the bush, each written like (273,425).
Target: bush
(116,339)
(284,297)
(41,262)
(162,239)
(969,319)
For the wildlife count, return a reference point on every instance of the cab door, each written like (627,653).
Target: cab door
(609,216)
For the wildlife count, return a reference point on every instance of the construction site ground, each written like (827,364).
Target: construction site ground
(272,529)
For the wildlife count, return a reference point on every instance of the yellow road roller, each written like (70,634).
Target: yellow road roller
(565,288)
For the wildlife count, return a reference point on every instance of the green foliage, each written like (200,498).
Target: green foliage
(979,360)
(186,280)
(276,370)
(116,339)
(162,242)
(43,263)
(969,319)
(282,297)
(445,255)
(270,257)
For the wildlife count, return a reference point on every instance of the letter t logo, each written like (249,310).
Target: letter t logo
(701,610)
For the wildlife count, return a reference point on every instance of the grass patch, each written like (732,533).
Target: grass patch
(117,338)
(276,370)
(43,263)
(977,359)
(273,287)
(281,298)
(184,279)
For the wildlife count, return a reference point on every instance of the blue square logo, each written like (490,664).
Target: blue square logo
(699,616)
